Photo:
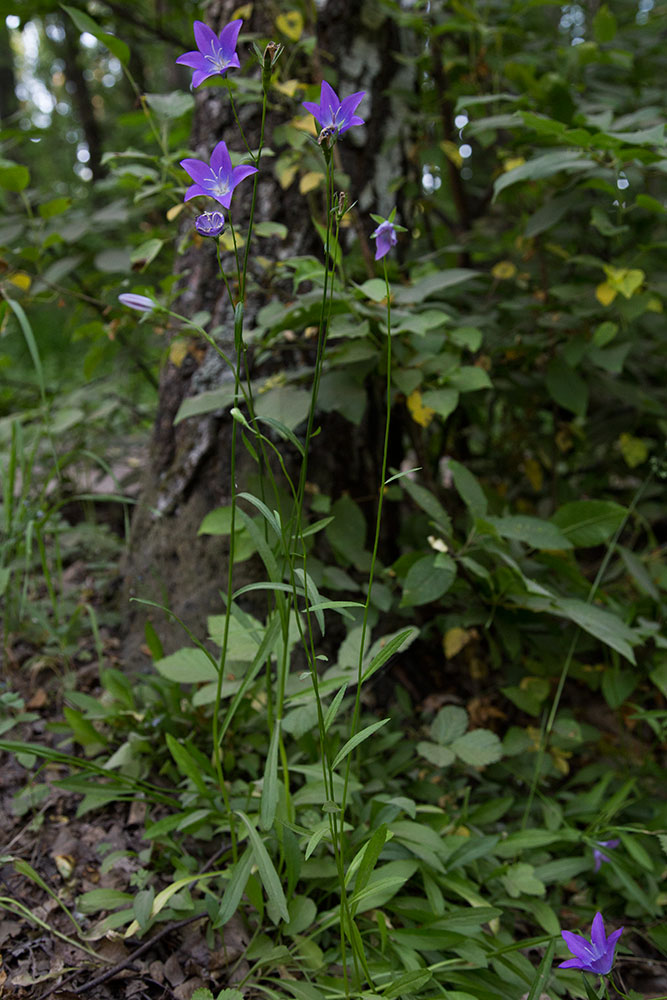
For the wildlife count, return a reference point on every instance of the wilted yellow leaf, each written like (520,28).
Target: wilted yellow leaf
(451,151)
(310,181)
(21,280)
(177,352)
(244,11)
(534,475)
(422,415)
(633,449)
(175,211)
(605,294)
(514,161)
(503,270)
(290,24)
(454,640)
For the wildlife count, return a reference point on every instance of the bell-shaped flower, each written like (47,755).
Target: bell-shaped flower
(599,856)
(215,54)
(216,179)
(333,115)
(596,955)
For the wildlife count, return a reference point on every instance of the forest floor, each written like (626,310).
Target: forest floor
(70,855)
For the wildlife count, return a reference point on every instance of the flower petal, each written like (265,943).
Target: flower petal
(571,963)
(206,39)
(221,160)
(241,172)
(329,102)
(228,38)
(193,59)
(349,104)
(598,936)
(199,171)
(314,110)
(194,191)
(579,946)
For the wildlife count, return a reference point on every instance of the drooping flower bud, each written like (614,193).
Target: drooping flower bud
(210,224)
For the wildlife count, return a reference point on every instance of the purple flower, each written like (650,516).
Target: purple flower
(386,237)
(335,116)
(214,54)
(218,179)
(598,854)
(139,302)
(210,224)
(596,955)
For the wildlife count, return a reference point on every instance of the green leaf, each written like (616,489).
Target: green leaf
(443,401)
(436,754)
(450,723)
(187,666)
(14,177)
(533,531)
(285,403)
(85,23)
(235,887)
(566,387)
(569,160)
(267,872)
(520,880)
(432,283)
(170,106)
(469,378)
(269,800)
(367,857)
(347,533)
(427,580)
(589,522)
(428,503)
(389,646)
(468,488)
(605,626)
(188,767)
(478,747)
(355,740)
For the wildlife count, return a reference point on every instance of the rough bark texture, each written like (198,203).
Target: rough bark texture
(188,472)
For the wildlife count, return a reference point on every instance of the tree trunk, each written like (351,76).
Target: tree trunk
(187,474)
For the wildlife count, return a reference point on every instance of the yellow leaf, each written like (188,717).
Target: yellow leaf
(514,161)
(534,475)
(244,11)
(451,151)
(306,123)
(286,172)
(605,294)
(503,270)
(288,88)
(227,241)
(310,181)
(422,415)
(175,211)
(177,352)
(454,640)
(633,449)
(290,24)
(654,304)
(21,280)
(625,280)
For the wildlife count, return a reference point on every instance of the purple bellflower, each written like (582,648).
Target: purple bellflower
(596,955)
(215,54)
(599,856)
(217,179)
(386,237)
(335,116)
(210,224)
(139,302)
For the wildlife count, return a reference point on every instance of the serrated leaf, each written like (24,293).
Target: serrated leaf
(436,754)
(450,723)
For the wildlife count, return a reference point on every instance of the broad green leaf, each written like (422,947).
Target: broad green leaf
(205,402)
(436,754)
(347,532)
(520,879)
(566,387)
(534,531)
(427,580)
(285,403)
(478,747)
(432,283)
(86,24)
(14,177)
(468,488)
(172,105)
(589,522)
(450,723)
(428,503)
(604,625)
(187,666)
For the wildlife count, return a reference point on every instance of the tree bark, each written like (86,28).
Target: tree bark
(187,474)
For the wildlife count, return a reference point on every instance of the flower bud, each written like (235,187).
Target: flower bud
(210,224)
